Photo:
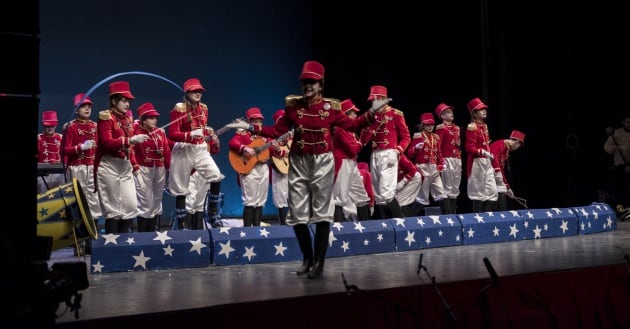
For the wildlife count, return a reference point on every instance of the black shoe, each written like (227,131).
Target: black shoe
(624,215)
(316,272)
(305,267)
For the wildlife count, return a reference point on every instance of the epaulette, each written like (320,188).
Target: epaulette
(292,100)
(335,104)
(398,112)
(180,107)
(440,126)
(472,126)
(417,135)
(65,125)
(204,105)
(105,115)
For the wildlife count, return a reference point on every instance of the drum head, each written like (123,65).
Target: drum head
(86,215)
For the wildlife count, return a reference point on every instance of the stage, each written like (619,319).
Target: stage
(272,295)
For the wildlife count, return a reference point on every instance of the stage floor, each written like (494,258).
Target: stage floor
(139,292)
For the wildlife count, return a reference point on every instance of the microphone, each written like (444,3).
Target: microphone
(345,283)
(419,264)
(493,273)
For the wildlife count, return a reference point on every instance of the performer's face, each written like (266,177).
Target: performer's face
(311,88)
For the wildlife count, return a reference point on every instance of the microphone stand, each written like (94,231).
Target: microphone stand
(452,319)
(350,288)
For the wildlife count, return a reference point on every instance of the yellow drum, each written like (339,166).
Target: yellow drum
(63,214)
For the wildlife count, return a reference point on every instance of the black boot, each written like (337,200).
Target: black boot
(394,209)
(379,212)
(153,223)
(257,216)
(197,221)
(417,209)
(445,206)
(215,203)
(124,225)
(249,213)
(181,216)
(303,235)
(477,206)
(282,215)
(363,212)
(111,225)
(142,224)
(453,202)
(322,231)
(338,216)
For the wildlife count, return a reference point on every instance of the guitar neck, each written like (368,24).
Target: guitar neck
(281,139)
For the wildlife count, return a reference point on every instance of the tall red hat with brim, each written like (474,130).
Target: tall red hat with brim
(80,97)
(519,136)
(277,115)
(49,118)
(312,70)
(253,113)
(193,84)
(441,108)
(120,87)
(476,104)
(347,105)
(147,109)
(427,118)
(377,91)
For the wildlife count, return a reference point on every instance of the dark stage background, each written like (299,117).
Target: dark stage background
(548,69)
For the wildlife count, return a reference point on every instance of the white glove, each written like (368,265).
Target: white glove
(419,145)
(487,154)
(136,139)
(88,144)
(137,178)
(196,133)
(510,194)
(498,178)
(401,184)
(378,103)
(238,124)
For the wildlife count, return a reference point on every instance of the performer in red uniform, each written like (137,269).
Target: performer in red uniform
(364,170)
(115,162)
(426,155)
(501,150)
(189,130)
(312,166)
(154,160)
(409,184)
(482,187)
(280,180)
(389,136)
(348,192)
(450,147)
(49,151)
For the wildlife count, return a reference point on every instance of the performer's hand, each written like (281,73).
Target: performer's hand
(419,145)
(498,178)
(377,104)
(88,144)
(440,168)
(509,193)
(136,139)
(401,184)
(487,154)
(137,178)
(196,133)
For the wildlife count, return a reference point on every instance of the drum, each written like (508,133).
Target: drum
(63,214)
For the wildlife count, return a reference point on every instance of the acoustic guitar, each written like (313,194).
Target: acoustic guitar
(281,165)
(243,164)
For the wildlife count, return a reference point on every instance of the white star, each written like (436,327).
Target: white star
(131,240)
(224,230)
(410,237)
(584,212)
(440,233)
(496,231)
(546,227)
(242,234)
(513,230)
(537,232)
(490,214)
(280,248)
(479,218)
(197,245)
(384,224)
(457,237)
(514,213)
(609,220)
(331,238)
(502,215)
(168,251)
(249,253)
(436,220)
(565,226)
(162,237)
(604,226)
(359,227)
(526,224)
(264,232)
(549,214)
(226,249)
(471,233)
(420,222)
(595,215)
(110,238)
(582,226)
(379,237)
(338,226)
(428,240)
(345,245)
(399,221)
(557,211)
(529,214)
(366,242)
(588,224)
(141,260)
(98,267)
(450,221)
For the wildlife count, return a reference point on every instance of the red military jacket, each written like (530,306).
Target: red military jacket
(388,131)
(185,118)
(477,140)
(346,146)
(367,183)
(451,140)
(155,151)
(76,132)
(312,124)
(113,133)
(501,153)
(406,168)
(429,152)
(49,148)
